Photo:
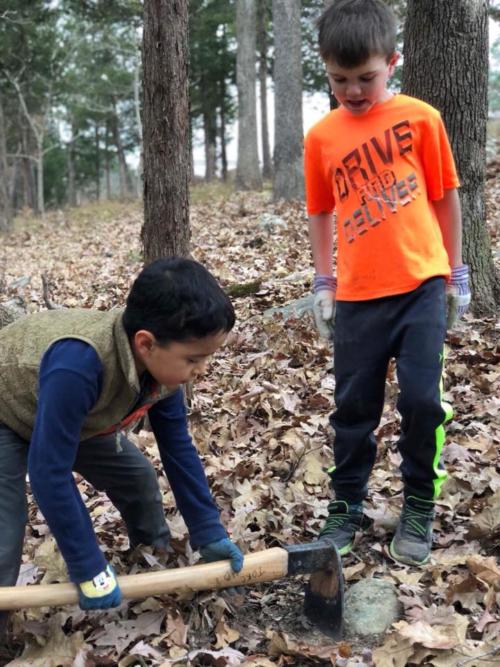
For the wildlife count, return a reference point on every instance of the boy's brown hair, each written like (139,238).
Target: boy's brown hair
(352,31)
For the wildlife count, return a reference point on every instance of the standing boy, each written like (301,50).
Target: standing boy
(383,163)
(72,382)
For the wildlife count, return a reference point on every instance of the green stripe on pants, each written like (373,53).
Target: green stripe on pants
(441,474)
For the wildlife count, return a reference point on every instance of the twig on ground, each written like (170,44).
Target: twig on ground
(297,462)
(494,651)
(46,294)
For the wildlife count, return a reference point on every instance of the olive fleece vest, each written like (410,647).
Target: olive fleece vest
(23,344)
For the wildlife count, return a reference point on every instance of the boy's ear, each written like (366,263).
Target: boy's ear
(393,62)
(143,342)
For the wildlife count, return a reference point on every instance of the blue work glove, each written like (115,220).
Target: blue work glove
(325,289)
(457,294)
(101,592)
(221,550)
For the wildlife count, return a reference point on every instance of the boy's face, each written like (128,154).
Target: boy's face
(176,362)
(359,88)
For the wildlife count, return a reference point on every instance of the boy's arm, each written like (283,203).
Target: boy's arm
(449,217)
(65,397)
(321,238)
(185,472)
(325,284)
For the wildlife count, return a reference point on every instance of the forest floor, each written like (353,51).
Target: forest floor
(260,421)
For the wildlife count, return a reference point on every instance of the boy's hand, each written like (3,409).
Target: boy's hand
(101,592)
(457,294)
(324,288)
(222,549)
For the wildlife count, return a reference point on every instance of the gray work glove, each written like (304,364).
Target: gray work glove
(324,288)
(457,295)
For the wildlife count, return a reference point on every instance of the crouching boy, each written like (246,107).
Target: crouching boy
(72,383)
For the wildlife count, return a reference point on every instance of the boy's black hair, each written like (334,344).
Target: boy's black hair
(177,299)
(352,31)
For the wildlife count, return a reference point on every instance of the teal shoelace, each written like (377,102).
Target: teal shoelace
(335,521)
(416,522)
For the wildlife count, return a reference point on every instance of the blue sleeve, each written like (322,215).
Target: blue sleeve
(69,385)
(185,471)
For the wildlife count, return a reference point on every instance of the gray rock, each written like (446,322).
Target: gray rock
(371,606)
(10,311)
(269,222)
(294,309)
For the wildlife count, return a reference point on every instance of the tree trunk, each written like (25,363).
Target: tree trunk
(38,128)
(288,182)
(138,122)
(222,137)
(191,151)
(28,197)
(166,228)
(71,168)
(13,185)
(210,132)
(107,163)
(40,201)
(454,79)
(29,192)
(264,125)
(97,164)
(125,183)
(5,205)
(247,169)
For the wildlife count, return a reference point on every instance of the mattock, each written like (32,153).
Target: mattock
(324,594)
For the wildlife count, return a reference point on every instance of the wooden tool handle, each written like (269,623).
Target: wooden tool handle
(260,566)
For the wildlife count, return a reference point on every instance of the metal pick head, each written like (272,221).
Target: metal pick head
(324,597)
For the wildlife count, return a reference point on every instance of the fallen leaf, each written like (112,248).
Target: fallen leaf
(175,629)
(28,574)
(485,569)
(487,522)
(485,619)
(225,635)
(60,650)
(121,634)
(49,559)
(225,657)
(280,643)
(313,469)
(434,636)
(395,652)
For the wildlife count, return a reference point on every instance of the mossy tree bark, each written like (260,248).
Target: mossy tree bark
(262,46)
(288,173)
(446,64)
(166,229)
(248,175)
(5,204)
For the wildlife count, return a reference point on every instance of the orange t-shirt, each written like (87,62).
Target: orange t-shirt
(380,171)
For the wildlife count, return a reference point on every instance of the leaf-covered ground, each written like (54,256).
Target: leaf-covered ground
(260,421)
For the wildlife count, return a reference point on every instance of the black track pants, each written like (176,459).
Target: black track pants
(411,328)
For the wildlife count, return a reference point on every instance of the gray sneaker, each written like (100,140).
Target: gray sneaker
(341,525)
(413,539)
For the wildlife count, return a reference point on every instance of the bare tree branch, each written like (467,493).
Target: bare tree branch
(24,107)
(5,17)
(14,156)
